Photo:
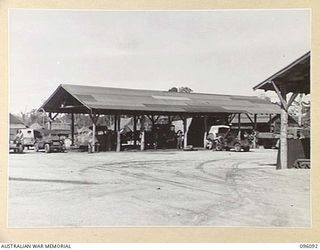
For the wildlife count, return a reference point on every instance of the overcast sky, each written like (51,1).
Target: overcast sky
(223,52)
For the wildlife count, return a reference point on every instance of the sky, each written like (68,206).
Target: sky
(220,52)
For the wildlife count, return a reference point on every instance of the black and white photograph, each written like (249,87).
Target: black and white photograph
(159,118)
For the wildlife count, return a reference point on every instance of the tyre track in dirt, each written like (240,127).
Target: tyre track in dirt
(231,184)
(227,179)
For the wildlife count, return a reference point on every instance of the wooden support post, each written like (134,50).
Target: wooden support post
(134,130)
(283,135)
(284,124)
(255,131)
(72,129)
(93,137)
(115,123)
(118,148)
(94,118)
(270,118)
(239,124)
(255,122)
(205,132)
(142,133)
(185,133)
(142,143)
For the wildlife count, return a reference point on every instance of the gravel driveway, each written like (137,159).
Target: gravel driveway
(156,188)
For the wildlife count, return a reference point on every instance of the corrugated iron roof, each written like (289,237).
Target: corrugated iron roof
(119,99)
(293,78)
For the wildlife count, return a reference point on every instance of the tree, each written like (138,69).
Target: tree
(300,111)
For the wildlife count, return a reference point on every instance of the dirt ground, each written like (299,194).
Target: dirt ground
(156,188)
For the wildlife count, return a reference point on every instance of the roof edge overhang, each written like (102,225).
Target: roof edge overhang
(282,71)
(61,86)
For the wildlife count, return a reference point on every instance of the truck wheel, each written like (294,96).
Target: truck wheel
(47,148)
(218,147)
(20,149)
(246,149)
(237,147)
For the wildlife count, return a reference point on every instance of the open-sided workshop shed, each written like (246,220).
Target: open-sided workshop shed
(295,79)
(139,104)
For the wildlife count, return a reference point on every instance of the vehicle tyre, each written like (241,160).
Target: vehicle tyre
(237,147)
(218,147)
(62,150)
(36,147)
(246,149)
(47,148)
(267,145)
(20,148)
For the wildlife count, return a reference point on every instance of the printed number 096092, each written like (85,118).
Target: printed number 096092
(308,245)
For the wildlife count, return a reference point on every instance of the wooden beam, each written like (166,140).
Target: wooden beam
(151,118)
(231,118)
(53,117)
(250,118)
(282,96)
(157,119)
(294,95)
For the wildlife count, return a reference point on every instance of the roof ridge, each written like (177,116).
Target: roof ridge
(160,91)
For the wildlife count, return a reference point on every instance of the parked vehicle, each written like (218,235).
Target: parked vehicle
(271,139)
(49,141)
(84,139)
(16,145)
(28,139)
(222,137)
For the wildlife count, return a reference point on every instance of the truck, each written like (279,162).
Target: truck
(223,137)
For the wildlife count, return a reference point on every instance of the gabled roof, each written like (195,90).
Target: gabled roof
(15,120)
(81,99)
(293,78)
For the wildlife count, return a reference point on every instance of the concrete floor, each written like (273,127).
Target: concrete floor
(156,188)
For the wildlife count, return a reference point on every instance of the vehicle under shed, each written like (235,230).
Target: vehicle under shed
(197,111)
